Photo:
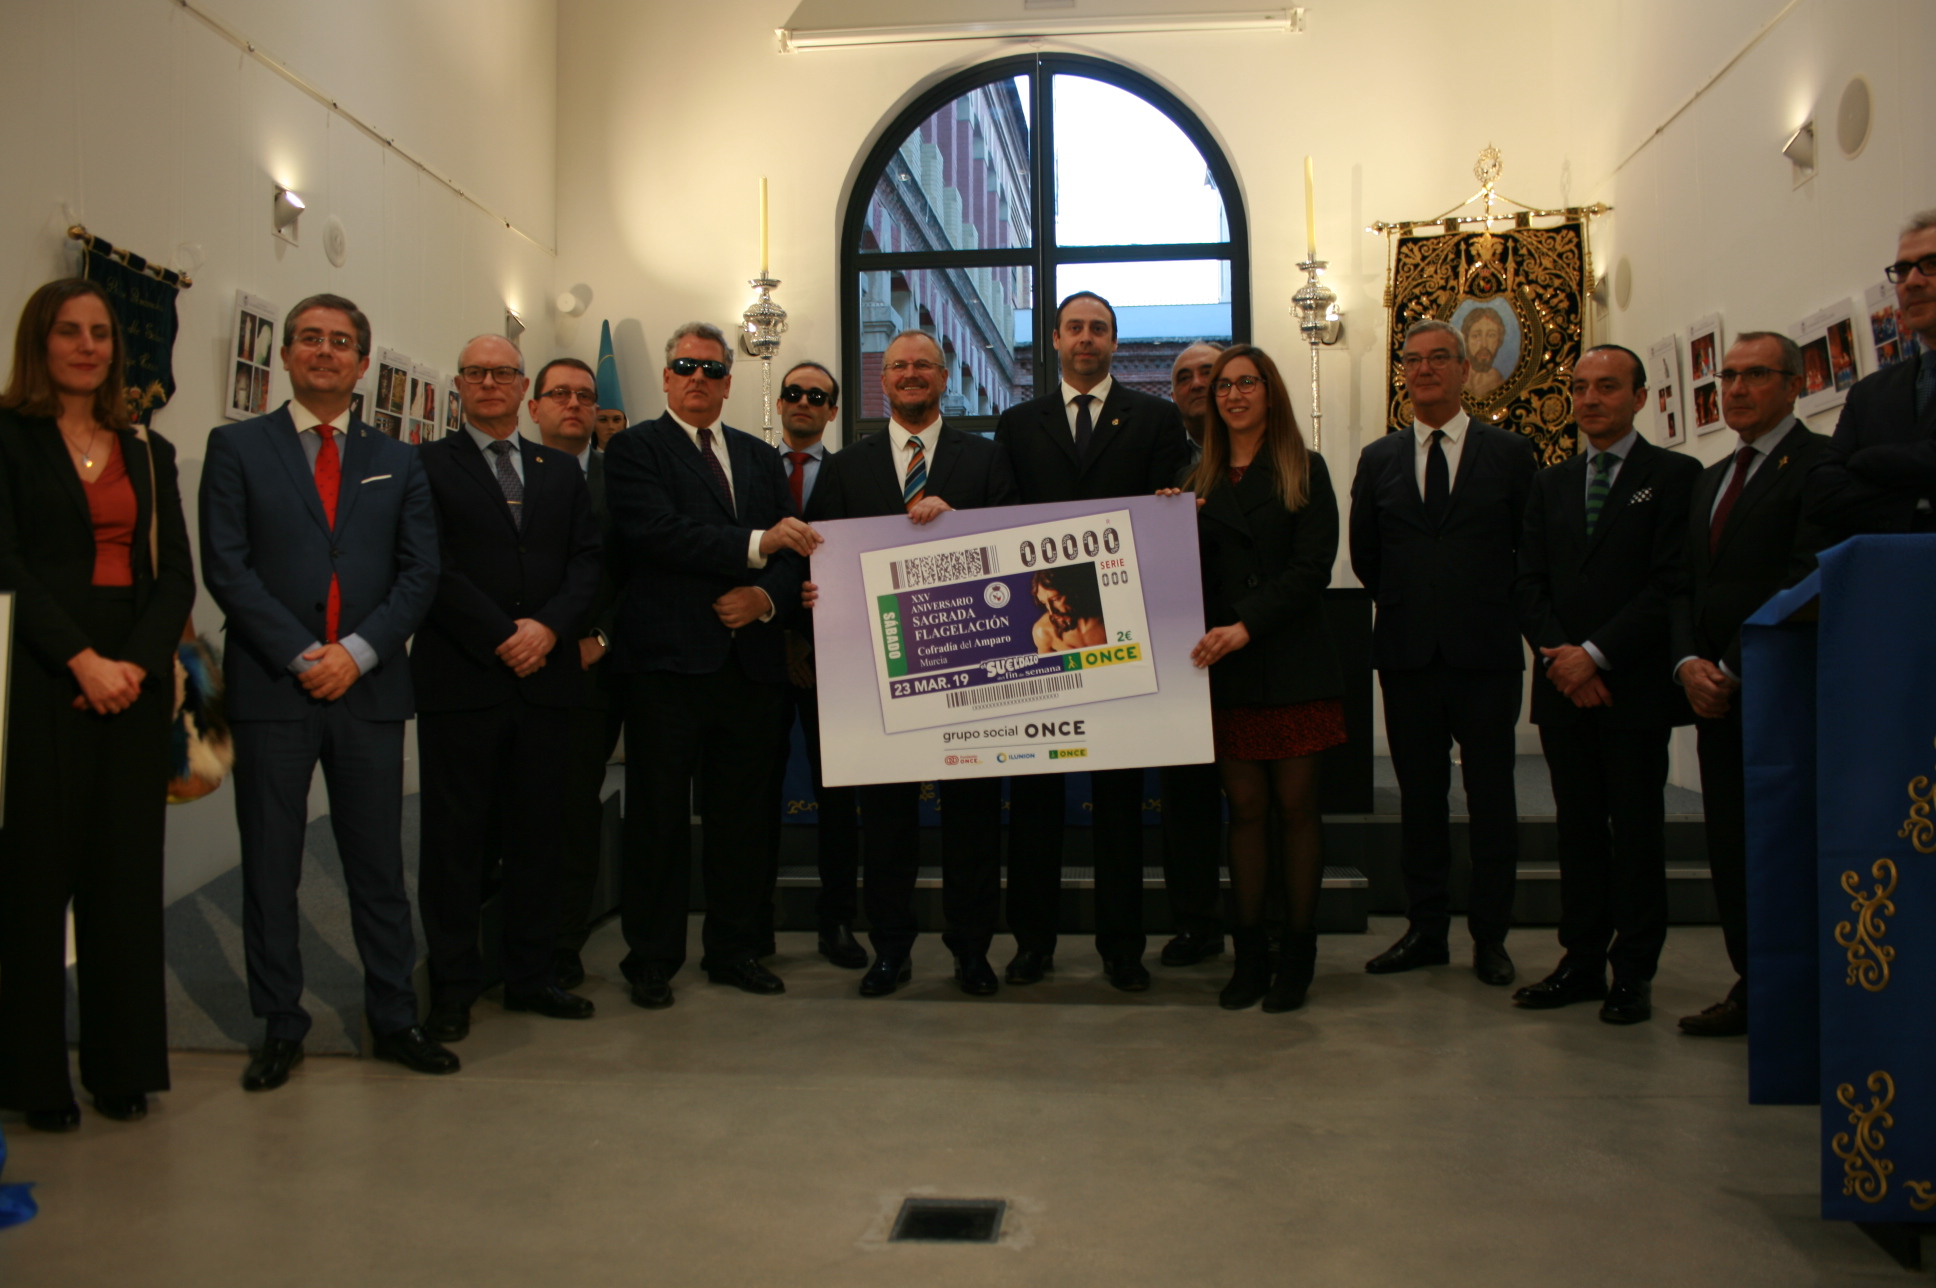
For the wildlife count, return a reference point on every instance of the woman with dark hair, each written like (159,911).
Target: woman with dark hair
(1267,525)
(102,585)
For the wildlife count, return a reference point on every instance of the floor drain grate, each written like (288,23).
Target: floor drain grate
(949,1221)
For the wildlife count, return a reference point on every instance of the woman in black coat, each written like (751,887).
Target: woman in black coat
(1267,527)
(90,702)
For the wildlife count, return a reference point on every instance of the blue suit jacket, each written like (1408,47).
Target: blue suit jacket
(684,542)
(268,553)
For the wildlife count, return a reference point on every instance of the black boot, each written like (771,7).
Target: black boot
(1251,978)
(1294,971)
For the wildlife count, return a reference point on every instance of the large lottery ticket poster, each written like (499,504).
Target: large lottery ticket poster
(1029,639)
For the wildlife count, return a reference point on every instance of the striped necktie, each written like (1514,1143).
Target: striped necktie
(508,481)
(1597,488)
(916,485)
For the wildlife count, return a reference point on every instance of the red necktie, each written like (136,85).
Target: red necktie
(1736,481)
(797,480)
(329,480)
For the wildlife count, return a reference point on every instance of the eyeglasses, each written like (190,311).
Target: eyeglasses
(1437,360)
(714,369)
(316,340)
(814,397)
(901,366)
(489,375)
(1752,375)
(1902,268)
(1245,383)
(564,394)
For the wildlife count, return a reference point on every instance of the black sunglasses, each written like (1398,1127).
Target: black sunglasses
(814,397)
(714,369)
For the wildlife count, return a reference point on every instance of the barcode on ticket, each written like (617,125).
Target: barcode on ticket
(995,695)
(938,569)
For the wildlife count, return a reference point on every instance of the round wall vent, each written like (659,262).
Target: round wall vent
(1852,117)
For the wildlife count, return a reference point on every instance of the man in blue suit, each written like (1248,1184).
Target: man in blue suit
(715,553)
(319,542)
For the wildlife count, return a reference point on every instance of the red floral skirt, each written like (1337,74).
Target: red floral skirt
(1278,733)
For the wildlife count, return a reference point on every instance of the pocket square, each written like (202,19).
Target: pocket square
(1644,494)
(377,478)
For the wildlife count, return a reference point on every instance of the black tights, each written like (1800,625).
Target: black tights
(1252,786)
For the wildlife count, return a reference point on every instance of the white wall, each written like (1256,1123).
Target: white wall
(137,119)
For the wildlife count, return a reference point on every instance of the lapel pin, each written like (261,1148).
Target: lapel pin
(536,459)
(1781,463)
(1116,421)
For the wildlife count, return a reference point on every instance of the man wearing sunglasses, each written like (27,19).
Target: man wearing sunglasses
(1879,473)
(714,555)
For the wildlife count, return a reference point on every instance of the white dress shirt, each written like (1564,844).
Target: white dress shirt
(1101,395)
(312,444)
(809,468)
(1454,431)
(484,441)
(904,455)
(754,559)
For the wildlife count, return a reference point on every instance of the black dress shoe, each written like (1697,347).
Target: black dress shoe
(975,976)
(1565,986)
(123,1109)
(1727,1019)
(839,946)
(1629,1001)
(1127,974)
(270,1067)
(1414,949)
(1491,964)
(567,968)
(65,1117)
(553,1002)
(1190,947)
(885,975)
(651,989)
(1028,966)
(413,1049)
(747,976)
(448,1021)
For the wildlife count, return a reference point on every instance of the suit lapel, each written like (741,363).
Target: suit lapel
(941,464)
(595,483)
(687,452)
(1230,503)
(1469,453)
(739,450)
(1635,471)
(1108,425)
(1055,424)
(1767,477)
(357,448)
(883,471)
(54,448)
(470,459)
(286,447)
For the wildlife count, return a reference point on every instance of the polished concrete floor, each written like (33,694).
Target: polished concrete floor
(1407,1130)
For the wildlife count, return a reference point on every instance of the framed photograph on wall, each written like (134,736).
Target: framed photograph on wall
(1827,340)
(1664,386)
(453,408)
(246,379)
(423,406)
(1884,335)
(392,392)
(1704,373)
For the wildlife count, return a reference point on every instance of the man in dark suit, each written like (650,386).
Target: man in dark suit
(1599,563)
(520,565)
(1092,439)
(1879,472)
(564,409)
(714,557)
(1435,522)
(923,468)
(319,541)
(1747,538)
(809,400)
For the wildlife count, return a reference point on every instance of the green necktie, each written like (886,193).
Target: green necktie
(1598,487)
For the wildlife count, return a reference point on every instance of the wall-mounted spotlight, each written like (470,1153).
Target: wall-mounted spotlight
(287,210)
(513,325)
(571,304)
(1800,151)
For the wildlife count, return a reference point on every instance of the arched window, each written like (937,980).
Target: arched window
(1002,190)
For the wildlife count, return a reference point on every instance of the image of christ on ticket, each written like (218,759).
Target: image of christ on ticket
(1021,619)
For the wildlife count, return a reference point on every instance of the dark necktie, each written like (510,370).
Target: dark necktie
(329,482)
(1085,427)
(1736,481)
(915,486)
(712,463)
(508,481)
(797,480)
(1438,480)
(1598,487)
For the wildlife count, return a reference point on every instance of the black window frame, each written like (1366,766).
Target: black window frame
(1043,255)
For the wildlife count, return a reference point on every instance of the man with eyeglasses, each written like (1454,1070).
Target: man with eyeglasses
(809,400)
(498,678)
(564,408)
(1747,538)
(319,541)
(1879,473)
(1436,517)
(1091,439)
(715,555)
(924,468)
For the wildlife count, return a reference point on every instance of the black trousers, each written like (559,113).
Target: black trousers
(1193,847)
(1425,710)
(971,863)
(594,735)
(1036,804)
(486,793)
(836,825)
(1724,794)
(1609,787)
(719,728)
(85,801)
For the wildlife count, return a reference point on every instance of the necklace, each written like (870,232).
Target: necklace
(87,454)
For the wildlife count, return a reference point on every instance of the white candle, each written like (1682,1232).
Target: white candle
(1310,212)
(762,225)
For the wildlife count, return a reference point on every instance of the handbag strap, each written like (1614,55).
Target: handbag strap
(154,505)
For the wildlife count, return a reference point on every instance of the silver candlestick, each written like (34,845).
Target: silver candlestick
(760,328)
(1316,307)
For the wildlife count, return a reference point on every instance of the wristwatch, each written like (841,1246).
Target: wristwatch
(604,640)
